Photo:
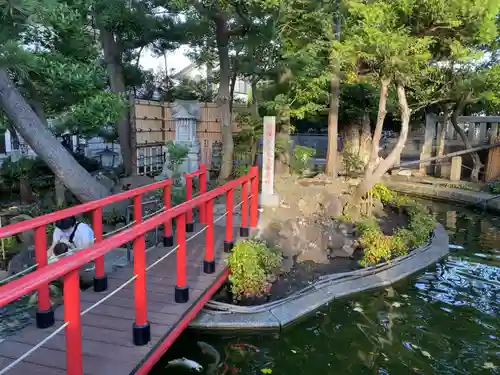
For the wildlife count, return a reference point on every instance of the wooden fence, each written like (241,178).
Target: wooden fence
(154,125)
(480,130)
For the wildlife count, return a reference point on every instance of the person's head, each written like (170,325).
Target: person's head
(60,248)
(66,223)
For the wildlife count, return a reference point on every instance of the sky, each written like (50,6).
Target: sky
(176,60)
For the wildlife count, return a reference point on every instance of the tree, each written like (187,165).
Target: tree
(125,29)
(221,21)
(20,66)
(333,110)
(379,46)
(46,146)
(462,71)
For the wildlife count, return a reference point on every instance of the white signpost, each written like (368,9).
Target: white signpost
(268,197)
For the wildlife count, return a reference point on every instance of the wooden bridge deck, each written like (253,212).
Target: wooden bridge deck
(107,329)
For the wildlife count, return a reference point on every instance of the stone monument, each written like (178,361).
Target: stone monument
(268,197)
(186,114)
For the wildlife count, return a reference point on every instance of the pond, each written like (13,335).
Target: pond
(444,320)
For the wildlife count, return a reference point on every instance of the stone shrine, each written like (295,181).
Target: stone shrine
(186,114)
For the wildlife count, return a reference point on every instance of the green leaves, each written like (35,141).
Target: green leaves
(89,116)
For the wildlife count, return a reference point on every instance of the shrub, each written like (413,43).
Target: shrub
(177,153)
(301,157)
(494,187)
(352,163)
(378,246)
(251,263)
(382,193)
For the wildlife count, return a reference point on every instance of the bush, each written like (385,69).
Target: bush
(251,263)
(379,247)
(301,158)
(177,153)
(352,163)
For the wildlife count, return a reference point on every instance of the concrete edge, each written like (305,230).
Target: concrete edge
(470,197)
(275,318)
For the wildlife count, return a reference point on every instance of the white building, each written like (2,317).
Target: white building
(199,73)
(95,148)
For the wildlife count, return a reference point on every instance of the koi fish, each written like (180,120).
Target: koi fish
(212,352)
(185,363)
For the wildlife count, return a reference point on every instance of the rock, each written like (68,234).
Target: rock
(332,207)
(405,172)
(308,209)
(283,204)
(287,265)
(346,229)
(313,253)
(24,259)
(27,237)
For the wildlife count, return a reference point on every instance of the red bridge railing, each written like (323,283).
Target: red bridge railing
(68,267)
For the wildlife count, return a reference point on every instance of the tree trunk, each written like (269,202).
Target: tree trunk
(351,138)
(25,191)
(476,160)
(45,145)
(113,60)
(210,79)
(384,165)
(282,164)
(365,143)
(234,77)
(333,118)
(368,178)
(254,110)
(224,99)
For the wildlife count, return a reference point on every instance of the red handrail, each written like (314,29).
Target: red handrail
(68,267)
(202,176)
(45,315)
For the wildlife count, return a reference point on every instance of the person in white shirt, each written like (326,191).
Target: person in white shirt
(71,236)
(74,234)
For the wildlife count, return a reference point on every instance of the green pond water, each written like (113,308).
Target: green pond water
(443,320)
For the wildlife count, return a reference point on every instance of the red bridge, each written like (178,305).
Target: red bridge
(133,315)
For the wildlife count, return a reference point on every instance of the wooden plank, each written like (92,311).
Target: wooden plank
(32,369)
(107,329)
(493,131)
(482,132)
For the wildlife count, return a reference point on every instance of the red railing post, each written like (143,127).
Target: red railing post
(100,279)
(45,313)
(74,362)
(209,262)
(244,231)
(228,242)
(254,196)
(181,287)
(138,208)
(168,238)
(141,330)
(189,196)
(203,189)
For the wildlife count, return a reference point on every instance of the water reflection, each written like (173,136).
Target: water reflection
(443,321)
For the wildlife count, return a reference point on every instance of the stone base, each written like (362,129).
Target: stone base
(269,200)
